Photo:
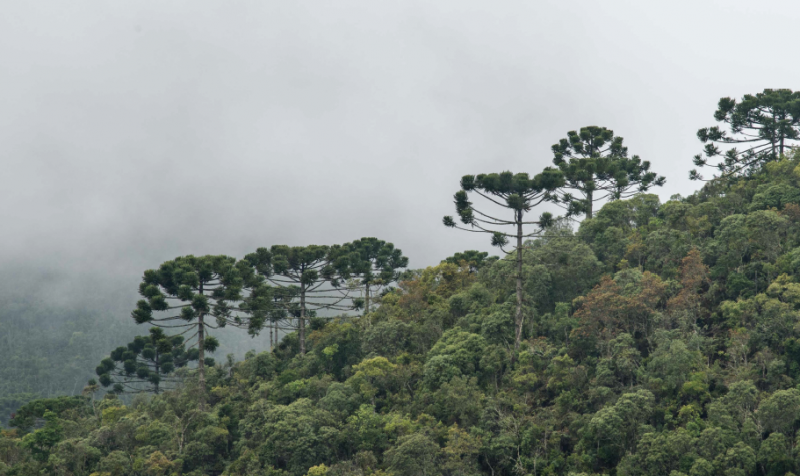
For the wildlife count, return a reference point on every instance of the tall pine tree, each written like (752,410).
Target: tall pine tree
(596,165)
(514,194)
(765,125)
(312,279)
(195,294)
(376,264)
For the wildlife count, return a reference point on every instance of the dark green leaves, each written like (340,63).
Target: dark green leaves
(468,182)
(546,220)
(501,193)
(143,312)
(499,239)
(211,344)
(146,362)
(767,124)
(595,164)
(475,259)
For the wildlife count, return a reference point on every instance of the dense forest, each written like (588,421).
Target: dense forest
(652,337)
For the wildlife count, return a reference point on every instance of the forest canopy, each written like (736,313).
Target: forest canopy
(655,337)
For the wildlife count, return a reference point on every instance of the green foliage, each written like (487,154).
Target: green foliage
(766,123)
(596,165)
(657,339)
(41,441)
(306,280)
(183,293)
(49,350)
(376,264)
(213,286)
(514,193)
(473,258)
(25,417)
(147,363)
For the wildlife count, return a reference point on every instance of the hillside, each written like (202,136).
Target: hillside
(659,339)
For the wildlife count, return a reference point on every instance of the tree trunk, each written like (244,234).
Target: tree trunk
(589,203)
(201,363)
(366,303)
(774,154)
(302,319)
(158,372)
(518,316)
(271,345)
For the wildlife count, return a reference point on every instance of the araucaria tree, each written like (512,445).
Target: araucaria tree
(596,165)
(376,264)
(312,279)
(514,194)
(474,259)
(194,294)
(145,364)
(765,125)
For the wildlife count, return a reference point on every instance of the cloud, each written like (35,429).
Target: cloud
(133,132)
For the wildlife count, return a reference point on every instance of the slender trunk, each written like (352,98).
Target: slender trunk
(201,362)
(518,316)
(302,319)
(158,373)
(774,155)
(271,345)
(366,304)
(589,203)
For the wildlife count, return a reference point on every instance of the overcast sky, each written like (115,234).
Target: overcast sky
(133,132)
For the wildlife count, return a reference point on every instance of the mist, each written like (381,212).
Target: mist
(134,132)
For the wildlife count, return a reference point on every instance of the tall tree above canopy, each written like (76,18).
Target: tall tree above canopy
(766,125)
(187,290)
(596,165)
(514,194)
(311,278)
(375,263)
(147,362)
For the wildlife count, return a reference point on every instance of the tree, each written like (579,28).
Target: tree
(370,376)
(188,289)
(774,456)
(766,124)
(474,259)
(693,280)
(311,279)
(147,361)
(780,412)
(376,263)
(618,425)
(515,193)
(41,441)
(414,455)
(596,165)
(625,304)
(292,437)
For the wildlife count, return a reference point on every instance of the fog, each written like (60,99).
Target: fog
(134,132)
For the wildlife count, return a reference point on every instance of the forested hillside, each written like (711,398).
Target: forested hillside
(654,338)
(50,347)
(47,351)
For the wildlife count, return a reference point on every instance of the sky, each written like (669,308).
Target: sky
(135,132)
